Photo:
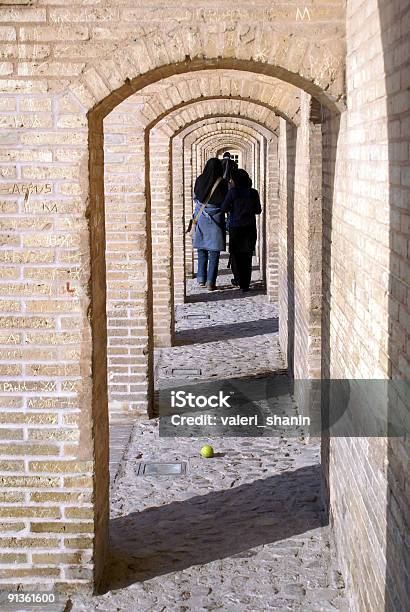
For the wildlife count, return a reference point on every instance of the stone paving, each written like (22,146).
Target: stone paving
(244,531)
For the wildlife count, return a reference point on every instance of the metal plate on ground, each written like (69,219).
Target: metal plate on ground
(162,469)
(197,316)
(186,372)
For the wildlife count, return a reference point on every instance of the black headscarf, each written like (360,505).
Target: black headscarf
(241,179)
(205,181)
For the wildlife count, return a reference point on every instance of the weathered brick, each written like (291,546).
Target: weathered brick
(60,527)
(12,558)
(11,497)
(12,511)
(4,527)
(24,542)
(25,448)
(80,543)
(60,466)
(11,434)
(29,481)
(39,572)
(52,33)
(73,482)
(67,498)
(80,513)
(45,118)
(57,558)
(12,466)
(21,14)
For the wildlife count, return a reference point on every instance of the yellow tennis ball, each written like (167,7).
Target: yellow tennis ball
(207,451)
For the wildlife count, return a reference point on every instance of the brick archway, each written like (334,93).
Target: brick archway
(258,159)
(177,91)
(328,88)
(133,147)
(192,165)
(66,68)
(167,127)
(125,401)
(262,166)
(199,135)
(80,96)
(95,117)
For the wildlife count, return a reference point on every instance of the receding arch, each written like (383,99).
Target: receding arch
(120,273)
(201,121)
(183,175)
(227,141)
(275,110)
(131,85)
(261,165)
(163,303)
(124,78)
(270,189)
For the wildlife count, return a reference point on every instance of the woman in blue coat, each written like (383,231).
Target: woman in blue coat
(210,233)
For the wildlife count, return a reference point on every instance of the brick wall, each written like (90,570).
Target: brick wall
(366,262)
(161,232)
(133,135)
(393,14)
(178,220)
(47,491)
(271,204)
(127,270)
(286,159)
(300,161)
(66,68)
(363,183)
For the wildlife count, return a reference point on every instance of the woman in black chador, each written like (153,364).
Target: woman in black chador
(243,204)
(210,235)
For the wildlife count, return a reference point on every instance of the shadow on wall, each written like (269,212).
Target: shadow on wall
(394,23)
(205,528)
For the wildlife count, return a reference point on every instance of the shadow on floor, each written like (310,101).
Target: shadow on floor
(226,271)
(219,524)
(226,292)
(245,329)
(251,394)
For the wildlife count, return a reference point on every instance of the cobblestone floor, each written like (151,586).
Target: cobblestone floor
(243,531)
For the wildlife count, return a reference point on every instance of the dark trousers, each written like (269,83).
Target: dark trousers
(242,268)
(234,268)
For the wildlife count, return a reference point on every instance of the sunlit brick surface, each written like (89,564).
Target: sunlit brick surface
(108,113)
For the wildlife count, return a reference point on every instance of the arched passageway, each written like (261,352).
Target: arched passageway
(189,131)
(125,392)
(108,114)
